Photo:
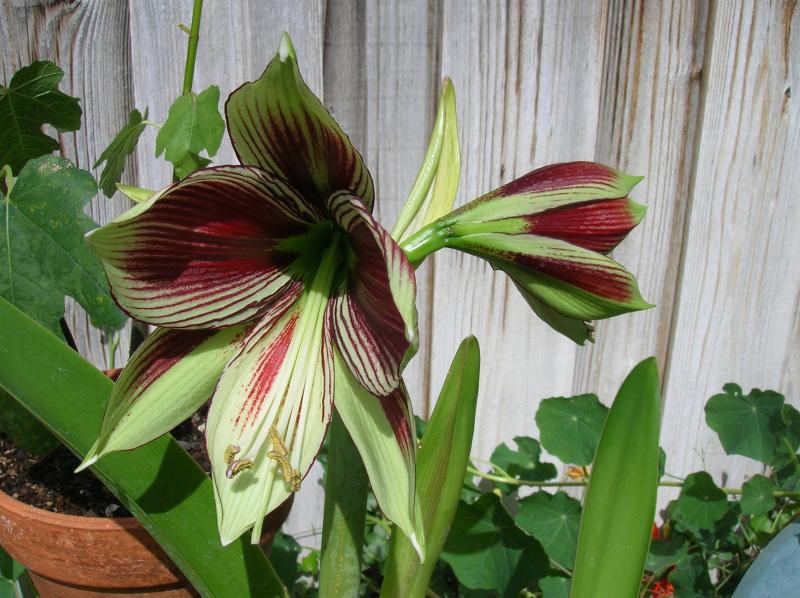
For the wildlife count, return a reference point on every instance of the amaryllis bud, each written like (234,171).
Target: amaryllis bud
(551,231)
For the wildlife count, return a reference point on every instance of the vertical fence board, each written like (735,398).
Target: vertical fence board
(740,275)
(90,41)
(528,75)
(648,124)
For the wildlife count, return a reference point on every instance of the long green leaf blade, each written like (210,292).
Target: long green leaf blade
(159,482)
(621,498)
(441,466)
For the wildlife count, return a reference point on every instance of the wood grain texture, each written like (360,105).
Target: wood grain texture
(520,106)
(90,41)
(648,123)
(736,312)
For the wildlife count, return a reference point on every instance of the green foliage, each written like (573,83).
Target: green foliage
(118,150)
(570,427)
(663,554)
(284,557)
(24,429)
(690,578)
(488,551)
(159,482)
(751,425)
(42,250)
(14,579)
(620,500)
(524,463)
(701,503)
(555,587)
(194,124)
(758,496)
(31,100)
(553,519)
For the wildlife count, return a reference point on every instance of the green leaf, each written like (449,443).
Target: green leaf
(488,552)
(31,100)
(9,568)
(43,255)
(135,194)
(441,466)
(749,425)
(284,556)
(553,519)
(701,503)
(757,496)
(24,429)
(690,578)
(524,463)
(555,587)
(663,554)
(118,150)
(570,427)
(435,187)
(159,482)
(620,501)
(194,124)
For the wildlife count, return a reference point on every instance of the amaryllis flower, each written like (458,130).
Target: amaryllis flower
(277,292)
(550,231)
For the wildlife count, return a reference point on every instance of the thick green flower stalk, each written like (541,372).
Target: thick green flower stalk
(550,231)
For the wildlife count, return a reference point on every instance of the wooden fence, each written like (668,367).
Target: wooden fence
(702,98)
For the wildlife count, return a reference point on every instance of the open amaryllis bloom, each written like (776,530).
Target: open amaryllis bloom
(278,293)
(550,231)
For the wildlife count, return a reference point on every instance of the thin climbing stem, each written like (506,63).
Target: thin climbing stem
(191,51)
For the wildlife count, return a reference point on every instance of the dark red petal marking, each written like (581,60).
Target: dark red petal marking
(398,412)
(364,318)
(598,225)
(206,252)
(277,123)
(168,349)
(559,176)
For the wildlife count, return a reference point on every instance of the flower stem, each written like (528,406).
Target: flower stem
(191,51)
(345,515)
(536,484)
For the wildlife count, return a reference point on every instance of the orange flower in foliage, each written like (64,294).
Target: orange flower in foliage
(662,589)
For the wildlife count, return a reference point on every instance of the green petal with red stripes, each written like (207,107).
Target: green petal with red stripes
(277,123)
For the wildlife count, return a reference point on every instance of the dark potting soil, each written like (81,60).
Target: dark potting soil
(48,481)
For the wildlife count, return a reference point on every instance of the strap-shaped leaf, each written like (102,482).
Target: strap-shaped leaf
(441,466)
(435,187)
(159,482)
(620,501)
(277,123)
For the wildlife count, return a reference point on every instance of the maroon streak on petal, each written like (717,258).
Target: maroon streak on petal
(559,176)
(398,412)
(167,349)
(277,123)
(373,319)
(599,225)
(205,253)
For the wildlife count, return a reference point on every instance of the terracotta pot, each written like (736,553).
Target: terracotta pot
(83,557)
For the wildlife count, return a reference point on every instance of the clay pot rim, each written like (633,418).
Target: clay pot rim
(83,522)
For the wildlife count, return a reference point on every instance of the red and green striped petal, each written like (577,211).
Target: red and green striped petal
(553,187)
(373,318)
(578,331)
(382,429)
(168,378)
(575,282)
(269,415)
(206,252)
(277,123)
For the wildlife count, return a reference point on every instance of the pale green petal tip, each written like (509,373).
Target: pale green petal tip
(628,181)
(286,48)
(637,211)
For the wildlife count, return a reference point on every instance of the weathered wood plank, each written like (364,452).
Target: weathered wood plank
(90,41)
(736,316)
(648,123)
(528,75)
